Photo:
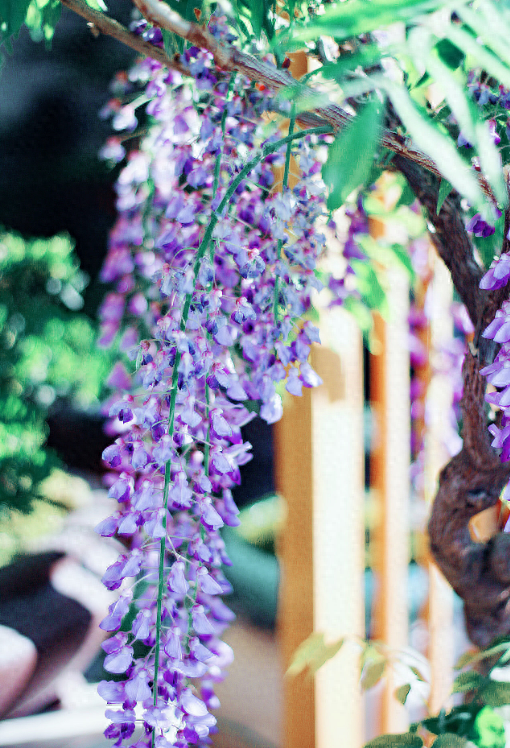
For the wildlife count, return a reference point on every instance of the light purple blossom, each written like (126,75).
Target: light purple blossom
(202,338)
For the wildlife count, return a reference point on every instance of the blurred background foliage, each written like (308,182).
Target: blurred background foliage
(47,353)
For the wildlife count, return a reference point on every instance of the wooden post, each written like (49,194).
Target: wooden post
(319,471)
(438,405)
(389,472)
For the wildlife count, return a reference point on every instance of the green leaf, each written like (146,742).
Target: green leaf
(496,693)
(360,313)
(186,8)
(490,162)
(97,5)
(467,682)
(41,20)
(388,255)
(366,57)
(439,147)
(372,674)
(459,720)
(343,20)
(466,115)
(465,659)
(389,741)
(313,653)
(444,190)
(485,59)
(417,673)
(449,740)
(256,15)
(329,651)
(489,728)
(449,53)
(369,286)
(351,155)
(491,26)
(402,693)
(12,16)
(305,653)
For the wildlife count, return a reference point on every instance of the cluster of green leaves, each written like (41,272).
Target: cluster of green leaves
(40,17)
(46,351)
(430,50)
(474,723)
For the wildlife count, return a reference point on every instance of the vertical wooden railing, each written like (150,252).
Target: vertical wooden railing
(319,458)
(439,402)
(389,472)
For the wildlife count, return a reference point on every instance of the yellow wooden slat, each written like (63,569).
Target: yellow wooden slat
(439,401)
(319,459)
(389,468)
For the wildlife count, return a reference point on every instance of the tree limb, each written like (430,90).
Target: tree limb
(116,30)
(471,482)
(448,235)
(229,58)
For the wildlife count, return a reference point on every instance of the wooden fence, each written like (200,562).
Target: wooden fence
(319,455)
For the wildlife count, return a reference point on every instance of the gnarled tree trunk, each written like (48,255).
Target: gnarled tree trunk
(473,480)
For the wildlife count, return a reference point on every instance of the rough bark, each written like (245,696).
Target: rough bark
(473,480)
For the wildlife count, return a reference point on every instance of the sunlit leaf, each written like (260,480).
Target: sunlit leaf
(369,286)
(346,19)
(351,156)
(402,693)
(467,682)
(483,57)
(313,653)
(12,16)
(496,693)
(465,659)
(490,162)
(329,651)
(372,674)
(305,653)
(444,190)
(97,5)
(490,729)
(491,26)
(417,673)
(439,147)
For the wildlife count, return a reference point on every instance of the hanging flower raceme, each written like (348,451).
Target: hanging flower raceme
(498,373)
(212,272)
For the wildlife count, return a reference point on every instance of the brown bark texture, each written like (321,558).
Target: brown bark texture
(473,480)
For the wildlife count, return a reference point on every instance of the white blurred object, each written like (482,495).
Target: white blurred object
(18,658)
(64,724)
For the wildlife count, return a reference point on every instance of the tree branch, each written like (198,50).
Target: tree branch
(471,482)
(449,235)
(229,58)
(116,30)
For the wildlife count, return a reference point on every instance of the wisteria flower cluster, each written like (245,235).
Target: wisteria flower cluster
(213,266)
(498,373)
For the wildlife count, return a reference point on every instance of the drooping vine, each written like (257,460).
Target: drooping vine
(227,265)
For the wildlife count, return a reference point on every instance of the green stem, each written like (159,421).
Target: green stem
(217,166)
(265,151)
(284,187)
(162,547)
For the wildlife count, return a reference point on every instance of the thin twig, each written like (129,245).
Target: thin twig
(116,30)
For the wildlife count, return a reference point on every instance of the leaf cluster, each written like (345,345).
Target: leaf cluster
(46,351)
